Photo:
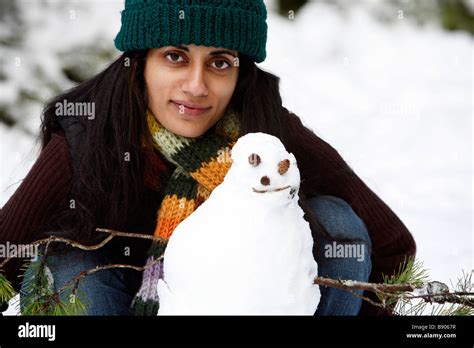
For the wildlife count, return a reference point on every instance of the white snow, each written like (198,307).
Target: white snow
(395,101)
(247,250)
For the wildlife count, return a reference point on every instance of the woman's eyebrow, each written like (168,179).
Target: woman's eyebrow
(213,53)
(216,53)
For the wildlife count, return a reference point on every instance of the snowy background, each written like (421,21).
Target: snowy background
(394,97)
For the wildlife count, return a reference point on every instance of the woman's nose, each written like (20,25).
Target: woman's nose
(195,84)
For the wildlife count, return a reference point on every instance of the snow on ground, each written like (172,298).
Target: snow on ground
(394,100)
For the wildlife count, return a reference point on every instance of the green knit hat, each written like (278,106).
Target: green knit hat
(233,24)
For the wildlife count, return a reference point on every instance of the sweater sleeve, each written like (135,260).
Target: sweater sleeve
(28,209)
(391,240)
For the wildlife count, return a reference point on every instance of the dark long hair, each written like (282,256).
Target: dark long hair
(105,188)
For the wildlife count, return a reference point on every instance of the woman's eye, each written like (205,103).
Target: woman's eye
(218,64)
(221,64)
(172,57)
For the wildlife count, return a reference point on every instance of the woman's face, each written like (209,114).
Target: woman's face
(189,87)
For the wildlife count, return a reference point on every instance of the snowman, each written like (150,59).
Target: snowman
(247,250)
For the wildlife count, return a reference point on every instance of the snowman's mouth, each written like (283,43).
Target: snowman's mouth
(272,190)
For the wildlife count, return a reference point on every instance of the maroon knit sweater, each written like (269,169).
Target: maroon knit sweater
(49,181)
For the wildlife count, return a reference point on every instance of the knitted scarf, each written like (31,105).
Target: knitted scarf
(201,164)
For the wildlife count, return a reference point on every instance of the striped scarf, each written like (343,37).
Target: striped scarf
(201,164)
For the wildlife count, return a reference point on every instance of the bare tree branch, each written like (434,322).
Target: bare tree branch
(452,297)
(132,235)
(75,244)
(354,284)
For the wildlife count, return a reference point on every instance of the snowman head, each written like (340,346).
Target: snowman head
(262,167)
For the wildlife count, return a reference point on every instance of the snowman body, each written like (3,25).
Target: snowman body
(247,250)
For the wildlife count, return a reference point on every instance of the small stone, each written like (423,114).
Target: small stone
(254,159)
(283,166)
(265,181)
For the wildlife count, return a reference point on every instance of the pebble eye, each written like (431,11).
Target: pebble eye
(254,160)
(283,166)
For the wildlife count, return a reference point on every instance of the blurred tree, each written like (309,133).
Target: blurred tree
(11,31)
(41,56)
(284,6)
(457,15)
(451,14)
(11,24)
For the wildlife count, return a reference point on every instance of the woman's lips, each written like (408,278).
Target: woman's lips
(187,110)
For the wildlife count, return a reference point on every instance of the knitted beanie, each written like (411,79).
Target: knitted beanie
(233,24)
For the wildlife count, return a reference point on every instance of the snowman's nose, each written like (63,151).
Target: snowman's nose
(265,180)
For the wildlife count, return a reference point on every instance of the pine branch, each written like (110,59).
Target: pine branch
(6,290)
(395,289)
(38,291)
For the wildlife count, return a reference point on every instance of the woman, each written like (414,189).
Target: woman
(162,111)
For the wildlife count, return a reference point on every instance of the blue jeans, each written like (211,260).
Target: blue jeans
(349,260)
(106,292)
(110,292)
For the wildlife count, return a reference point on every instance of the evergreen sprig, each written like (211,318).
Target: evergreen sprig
(39,298)
(6,289)
(410,272)
(409,303)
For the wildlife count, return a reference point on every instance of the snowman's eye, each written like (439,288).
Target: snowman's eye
(283,166)
(254,159)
